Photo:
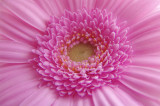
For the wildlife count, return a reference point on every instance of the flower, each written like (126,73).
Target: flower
(79,53)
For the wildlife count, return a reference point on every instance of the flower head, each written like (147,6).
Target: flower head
(80,53)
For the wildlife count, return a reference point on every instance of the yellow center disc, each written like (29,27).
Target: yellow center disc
(80,52)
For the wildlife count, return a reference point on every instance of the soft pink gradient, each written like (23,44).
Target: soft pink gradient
(21,21)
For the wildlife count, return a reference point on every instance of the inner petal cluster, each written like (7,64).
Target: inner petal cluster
(99,41)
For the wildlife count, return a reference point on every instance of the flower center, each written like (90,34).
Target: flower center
(81,52)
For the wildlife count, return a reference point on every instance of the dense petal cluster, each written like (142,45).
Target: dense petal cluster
(97,28)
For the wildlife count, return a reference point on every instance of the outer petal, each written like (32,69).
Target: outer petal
(12,52)
(51,7)
(75,5)
(143,81)
(16,29)
(57,7)
(147,61)
(138,99)
(63,101)
(27,11)
(126,10)
(126,98)
(99,98)
(82,101)
(108,96)
(17,81)
(75,100)
(148,43)
(42,97)
(145,36)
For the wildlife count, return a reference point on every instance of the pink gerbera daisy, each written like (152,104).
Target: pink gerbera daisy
(79,53)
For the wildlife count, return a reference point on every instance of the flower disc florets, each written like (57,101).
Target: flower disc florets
(96,28)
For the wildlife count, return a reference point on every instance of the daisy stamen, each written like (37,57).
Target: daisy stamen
(81,52)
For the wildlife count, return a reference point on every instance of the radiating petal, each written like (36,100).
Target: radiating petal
(11,74)
(144,73)
(107,96)
(57,7)
(140,8)
(75,5)
(63,101)
(42,97)
(148,43)
(51,7)
(126,98)
(148,24)
(141,100)
(143,87)
(144,81)
(99,98)
(78,101)
(3,38)
(18,81)
(112,97)
(27,11)
(147,61)
(72,5)
(82,101)
(145,37)
(12,52)
(124,9)
(89,4)
(16,29)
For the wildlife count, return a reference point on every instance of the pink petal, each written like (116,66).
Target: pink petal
(126,98)
(17,82)
(108,96)
(12,52)
(75,5)
(148,43)
(16,29)
(51,7)
(99,98)
(144,81)
(72,5)
(57,7)
(82,101)
(112,97)
(141,100)
(136,10)
(124,9)
(145,36)
(63,101)
(27,11)
(42,97)
(10,74)
(89,4)
(144,73)
(147,61)
(148,24)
